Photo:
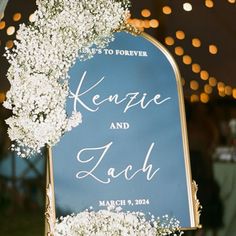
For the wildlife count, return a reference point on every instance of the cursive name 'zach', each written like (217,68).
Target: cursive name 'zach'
(112,173)
(130,100)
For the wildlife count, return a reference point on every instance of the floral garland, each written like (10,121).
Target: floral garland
(109,223)
(45,50)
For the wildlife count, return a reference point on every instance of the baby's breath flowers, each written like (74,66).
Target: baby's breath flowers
(44,52)
(111,223)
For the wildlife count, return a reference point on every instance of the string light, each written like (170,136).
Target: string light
(154,23)
(187,60)
(2,97)
(213,49)
(169,41)
(208,89)
(194,85)
(146,13)
(209,3)
(180,34)
(17,16)
(204,98)
(204,75)
(212,81)
(2,25)
(9,44)
(196,68)
(187,6)
(166,10)
(179,51)
(221,86)
(11,30)
(137,23)
(196,42)
(141,24)
(32,17)
(194,98)
(228,90)
(234,93)
(222,93)
(145,24)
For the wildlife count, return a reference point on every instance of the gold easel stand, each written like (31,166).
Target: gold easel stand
(50,213)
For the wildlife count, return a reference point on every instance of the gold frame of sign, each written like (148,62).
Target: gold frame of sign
(195,207)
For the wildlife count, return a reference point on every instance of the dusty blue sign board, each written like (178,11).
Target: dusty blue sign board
(130,150)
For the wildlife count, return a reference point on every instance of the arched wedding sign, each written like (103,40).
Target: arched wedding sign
(131,150)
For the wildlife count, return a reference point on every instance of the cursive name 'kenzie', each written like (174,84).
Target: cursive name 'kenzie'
(130,100)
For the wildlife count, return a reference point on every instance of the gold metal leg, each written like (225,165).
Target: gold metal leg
(50,212)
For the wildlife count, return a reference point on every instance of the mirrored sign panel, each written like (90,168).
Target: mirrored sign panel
(131,149)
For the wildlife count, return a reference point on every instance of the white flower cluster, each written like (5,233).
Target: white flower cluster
(108,223)
(44,52)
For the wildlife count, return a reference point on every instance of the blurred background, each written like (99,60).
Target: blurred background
(201,36)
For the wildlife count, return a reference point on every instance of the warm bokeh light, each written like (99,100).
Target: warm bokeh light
(145,24)
(228,90)
(11,30)
(194,98)
(222,93)
(213,49)
(187,6)
(9,44)
(187,60)
(204,98)
(196,68)
(204,75)
(2,97)
(2,25)
(137,23)
(146,13)
(154,23)
(212,81)
(166,10)
(231,1)
(196,42)
(180,34)
(32,17)
(208,89)
(221,87)
(17,16)
(183,81)
(194,85)
(169,41)
(209,3)
(179,51)
(234,93)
